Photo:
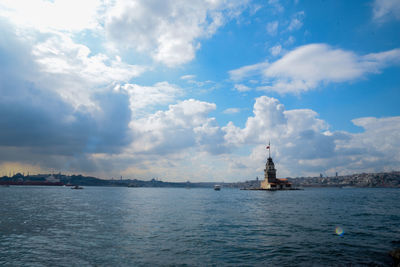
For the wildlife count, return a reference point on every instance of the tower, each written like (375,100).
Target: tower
(270,171)
(270,181)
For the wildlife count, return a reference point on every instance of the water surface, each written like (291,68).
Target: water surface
(106,226)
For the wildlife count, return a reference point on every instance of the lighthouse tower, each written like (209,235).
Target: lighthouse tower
(270,171)
(270,181)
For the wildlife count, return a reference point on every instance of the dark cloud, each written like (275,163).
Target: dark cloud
(39,123)
(310,144)
(50,125)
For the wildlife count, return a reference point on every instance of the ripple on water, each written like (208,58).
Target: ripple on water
(158,226)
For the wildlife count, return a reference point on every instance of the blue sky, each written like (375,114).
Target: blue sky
(193,90)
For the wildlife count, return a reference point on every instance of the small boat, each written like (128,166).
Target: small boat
(217,187)
(77,187)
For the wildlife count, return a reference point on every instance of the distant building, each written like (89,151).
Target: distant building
(52,179)
(270,180)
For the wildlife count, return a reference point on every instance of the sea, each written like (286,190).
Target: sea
(115,226)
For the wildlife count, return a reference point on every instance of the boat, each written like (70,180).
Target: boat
(77,187)
(217,187)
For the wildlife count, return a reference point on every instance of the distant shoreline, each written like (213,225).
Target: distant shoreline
(362,180)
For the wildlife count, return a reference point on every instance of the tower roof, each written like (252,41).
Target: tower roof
(270,161)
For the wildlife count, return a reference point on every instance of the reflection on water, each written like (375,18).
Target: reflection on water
(165,226)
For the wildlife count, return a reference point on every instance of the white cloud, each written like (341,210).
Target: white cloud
(276,5)
(247,71)
(290,41)
(59,54)
(302,144)
(231,110)
(386,9)
(254,8)
(184,140)
(380,135)
(313,63)
(71,70)
(188,77)
(268,115)
(276,50)
(297,21)
(272,28)
(307,67)
(295,24)
(64,15)
(169,30)
(374,149)
(242,88)
(182,126)
(144,97)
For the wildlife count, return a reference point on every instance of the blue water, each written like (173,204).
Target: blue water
(106,226)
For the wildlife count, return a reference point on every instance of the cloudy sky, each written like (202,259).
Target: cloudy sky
(194,90)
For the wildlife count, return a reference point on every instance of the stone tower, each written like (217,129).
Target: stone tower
(270,171)
(270,181)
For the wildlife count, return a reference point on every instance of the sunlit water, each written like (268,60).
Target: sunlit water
(103,226)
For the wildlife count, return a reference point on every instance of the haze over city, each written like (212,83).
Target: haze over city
(195,90)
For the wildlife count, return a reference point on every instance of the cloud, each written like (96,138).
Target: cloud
(231,110)
(254,8)
(381,135)
(40,120)
(54,15)
(247,71)
(74,72)
(188,77)
(168,30)
(42,127)
(303,145)
(268,114)
(374,149)
(64,105)
(184,140)
(60,55)
(272,28)
(182,126)
(296,22)
(384,10)
(276,5)
(307,67)
(242,88)
(191,79)
(144,97)
(276,50)
(290,41)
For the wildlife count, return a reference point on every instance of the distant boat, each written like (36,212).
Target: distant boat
(77,187)
(217,187)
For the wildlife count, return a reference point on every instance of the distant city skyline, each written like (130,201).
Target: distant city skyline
(195,90)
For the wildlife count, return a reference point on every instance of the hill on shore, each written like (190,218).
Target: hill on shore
(383,179)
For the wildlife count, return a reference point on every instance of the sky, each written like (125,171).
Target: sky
(194,90)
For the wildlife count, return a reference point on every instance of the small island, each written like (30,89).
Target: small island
(270,181)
